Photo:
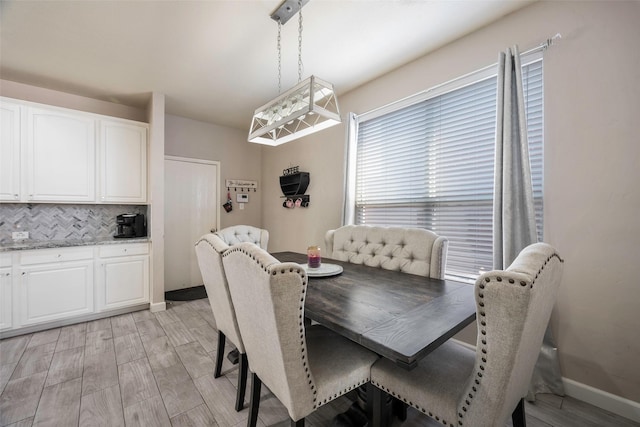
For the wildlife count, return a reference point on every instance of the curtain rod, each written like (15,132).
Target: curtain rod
(541,47)
(544,45)
(409,99)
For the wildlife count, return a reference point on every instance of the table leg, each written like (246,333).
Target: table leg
(376,404)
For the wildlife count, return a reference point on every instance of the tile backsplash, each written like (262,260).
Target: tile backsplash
(46,221)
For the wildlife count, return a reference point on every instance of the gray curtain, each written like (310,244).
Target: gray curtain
(514,223)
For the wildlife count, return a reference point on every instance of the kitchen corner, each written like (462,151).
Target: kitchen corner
(71,268)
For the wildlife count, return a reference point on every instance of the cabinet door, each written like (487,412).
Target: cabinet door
(123,162)
(55,291)
(5,298)
(9,151)
(61,156)
(124,281)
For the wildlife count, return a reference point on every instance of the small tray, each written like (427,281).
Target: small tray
(325,270)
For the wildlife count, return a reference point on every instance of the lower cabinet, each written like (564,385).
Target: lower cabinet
(55,284)
(44,285)
(123,276)
(6,281)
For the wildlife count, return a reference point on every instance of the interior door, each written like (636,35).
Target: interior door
(191,210)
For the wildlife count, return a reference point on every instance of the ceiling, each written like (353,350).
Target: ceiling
(216,60)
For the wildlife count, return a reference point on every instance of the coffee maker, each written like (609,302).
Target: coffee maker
(130,225)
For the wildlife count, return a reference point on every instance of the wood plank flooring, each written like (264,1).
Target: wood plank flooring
(156,369)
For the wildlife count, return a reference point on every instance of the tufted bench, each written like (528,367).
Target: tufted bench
(244,233)
(410,250)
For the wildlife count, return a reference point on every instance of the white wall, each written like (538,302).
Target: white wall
(238,159)
(156,223)
(592,171)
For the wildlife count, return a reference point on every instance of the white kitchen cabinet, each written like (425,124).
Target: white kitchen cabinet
(123,161)
(123,275)
(61,155)
(6,282)
(53,154)
(10,133)
(55,284)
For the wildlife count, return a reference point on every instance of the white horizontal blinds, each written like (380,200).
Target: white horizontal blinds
(534,100)
(430,165)
(461,170)
(391,176)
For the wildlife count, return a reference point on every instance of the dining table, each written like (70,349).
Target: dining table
(397,315)
(400,316)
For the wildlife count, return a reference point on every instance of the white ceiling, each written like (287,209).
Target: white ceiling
(216,60)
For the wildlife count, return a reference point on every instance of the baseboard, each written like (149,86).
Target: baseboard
(464,344)
(602,399)
(593,396)
(157,306)
(71,321)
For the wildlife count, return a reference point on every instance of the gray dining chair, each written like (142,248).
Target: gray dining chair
(244,233)
(304,366)
(209,249)
(410,250)
(461,387)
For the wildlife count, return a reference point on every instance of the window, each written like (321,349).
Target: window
(428,162)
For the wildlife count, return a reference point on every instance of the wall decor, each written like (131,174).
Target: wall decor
(242,184)
(294,184)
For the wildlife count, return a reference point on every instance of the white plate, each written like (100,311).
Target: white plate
(325,270)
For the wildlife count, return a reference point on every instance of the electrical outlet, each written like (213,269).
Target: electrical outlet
(20,235)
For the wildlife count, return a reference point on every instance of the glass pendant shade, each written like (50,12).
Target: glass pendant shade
(308,107)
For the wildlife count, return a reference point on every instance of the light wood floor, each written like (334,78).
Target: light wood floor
(156,369)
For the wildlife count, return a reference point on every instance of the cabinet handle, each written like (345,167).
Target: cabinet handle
(15,196)
(24,272)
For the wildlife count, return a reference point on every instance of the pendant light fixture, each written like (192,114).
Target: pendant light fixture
(308,107)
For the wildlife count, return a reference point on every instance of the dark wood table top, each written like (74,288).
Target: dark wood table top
(400,316)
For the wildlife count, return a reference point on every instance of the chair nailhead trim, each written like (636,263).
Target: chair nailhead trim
(303,348)
(483,323)
(409,402)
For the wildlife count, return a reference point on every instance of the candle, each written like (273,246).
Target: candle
(313,256)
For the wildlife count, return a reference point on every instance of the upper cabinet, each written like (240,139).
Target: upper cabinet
(10,151)
(51,154)
(61,156)
(123,153)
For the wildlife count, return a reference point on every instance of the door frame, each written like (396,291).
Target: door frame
(216,206)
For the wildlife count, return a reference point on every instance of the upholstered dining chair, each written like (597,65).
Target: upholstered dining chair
(410,250)
(460,387)
(244,233)
(209,250)
(304,366)
(237,234)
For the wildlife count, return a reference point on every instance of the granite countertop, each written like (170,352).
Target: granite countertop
(48,244)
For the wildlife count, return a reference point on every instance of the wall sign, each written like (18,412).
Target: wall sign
(243,184)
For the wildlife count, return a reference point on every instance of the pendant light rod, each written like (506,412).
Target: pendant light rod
(286,10)
(306,108)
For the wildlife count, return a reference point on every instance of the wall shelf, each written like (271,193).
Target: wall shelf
(293,185)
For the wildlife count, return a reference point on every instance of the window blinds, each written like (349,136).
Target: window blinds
(430,165)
